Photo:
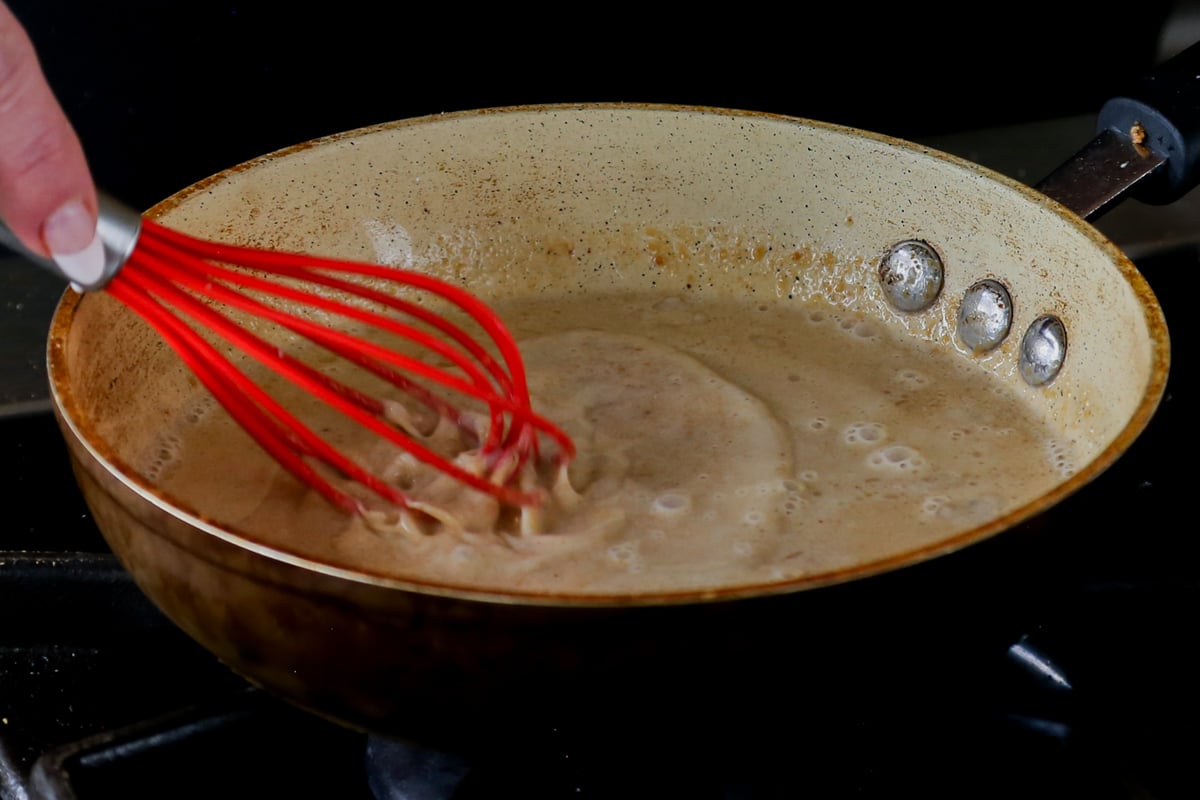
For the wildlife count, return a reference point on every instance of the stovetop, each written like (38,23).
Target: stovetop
(1093,694)
(1091,689)
(1088,687)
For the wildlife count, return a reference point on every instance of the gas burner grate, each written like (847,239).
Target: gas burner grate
(101,696)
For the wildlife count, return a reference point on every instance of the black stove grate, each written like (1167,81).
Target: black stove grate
(1095,696)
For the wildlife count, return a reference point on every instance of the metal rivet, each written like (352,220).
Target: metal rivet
(985,315)
(1043,350)
(911,274)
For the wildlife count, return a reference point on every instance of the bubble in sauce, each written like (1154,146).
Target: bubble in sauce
(864,433)
(934,505)
(975,509)
(1060,457)
(165,453)
(981,508)
(911,378)
(200,407)
(896,458)
(822,486)
(625,554)
(671,504)
(864,329)
(794,502)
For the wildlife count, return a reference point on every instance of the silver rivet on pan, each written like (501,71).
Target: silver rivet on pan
(1043,350)
(911,275)
(985,315)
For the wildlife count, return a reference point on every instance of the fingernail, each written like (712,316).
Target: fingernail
(74,244)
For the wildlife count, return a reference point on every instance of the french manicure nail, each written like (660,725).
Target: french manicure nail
(74,244)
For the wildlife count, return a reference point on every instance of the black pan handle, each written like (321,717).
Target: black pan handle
(1165,102)
(1147,143)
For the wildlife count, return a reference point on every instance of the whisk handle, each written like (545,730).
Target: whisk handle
(118,226)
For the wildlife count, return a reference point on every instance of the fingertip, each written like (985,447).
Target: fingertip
(74,243)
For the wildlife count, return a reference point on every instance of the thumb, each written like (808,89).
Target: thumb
(47,196)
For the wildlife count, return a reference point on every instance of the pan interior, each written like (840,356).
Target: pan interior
(733,253)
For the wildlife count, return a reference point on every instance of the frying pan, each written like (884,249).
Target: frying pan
(491,192)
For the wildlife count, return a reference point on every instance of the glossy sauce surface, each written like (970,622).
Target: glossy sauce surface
(721,443)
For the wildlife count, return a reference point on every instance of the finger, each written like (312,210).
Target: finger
(44,174)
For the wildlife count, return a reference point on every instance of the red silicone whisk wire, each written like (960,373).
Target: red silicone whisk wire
(308,268)
(318,384)
(171,276)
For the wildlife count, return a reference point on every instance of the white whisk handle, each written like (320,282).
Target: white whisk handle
(119,227)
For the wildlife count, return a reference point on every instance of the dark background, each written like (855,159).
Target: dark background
(165,93)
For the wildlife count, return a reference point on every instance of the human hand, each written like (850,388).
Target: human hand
(47,194)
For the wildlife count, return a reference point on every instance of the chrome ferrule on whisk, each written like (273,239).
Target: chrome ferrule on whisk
(118,226)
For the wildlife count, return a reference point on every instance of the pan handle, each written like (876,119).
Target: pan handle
(1147,143)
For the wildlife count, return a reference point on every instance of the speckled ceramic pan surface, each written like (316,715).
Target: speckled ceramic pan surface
(575,200)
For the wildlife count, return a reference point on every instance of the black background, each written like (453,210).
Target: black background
(166,93)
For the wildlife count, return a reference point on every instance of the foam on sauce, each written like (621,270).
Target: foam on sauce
(720,444)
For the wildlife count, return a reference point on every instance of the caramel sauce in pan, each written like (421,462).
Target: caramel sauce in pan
(721,443)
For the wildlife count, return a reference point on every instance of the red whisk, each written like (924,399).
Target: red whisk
(183,286)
